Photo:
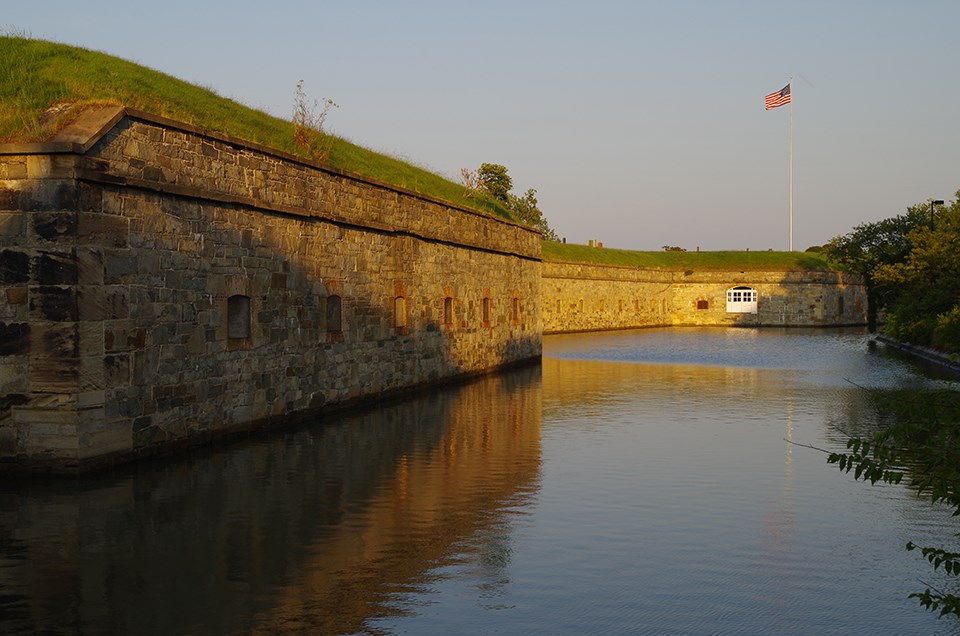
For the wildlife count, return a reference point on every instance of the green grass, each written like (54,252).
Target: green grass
(695,261)
(35,75)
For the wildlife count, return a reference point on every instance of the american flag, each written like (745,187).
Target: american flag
(778,98)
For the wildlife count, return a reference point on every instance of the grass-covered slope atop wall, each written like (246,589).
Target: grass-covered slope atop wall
(682,261)
(43,83)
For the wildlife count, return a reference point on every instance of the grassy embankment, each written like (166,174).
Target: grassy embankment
(692,261)
(36,75)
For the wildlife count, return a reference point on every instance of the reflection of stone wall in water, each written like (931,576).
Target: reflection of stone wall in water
(582,297)
(318,525)
(160,283)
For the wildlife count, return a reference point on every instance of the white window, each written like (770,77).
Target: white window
(742,300)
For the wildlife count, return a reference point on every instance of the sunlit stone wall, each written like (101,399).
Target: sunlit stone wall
(160,284)
(583,297)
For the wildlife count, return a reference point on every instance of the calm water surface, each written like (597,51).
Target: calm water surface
(635,483)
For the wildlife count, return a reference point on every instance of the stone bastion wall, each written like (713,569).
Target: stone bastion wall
(584,297)
(160,283)
(163,285)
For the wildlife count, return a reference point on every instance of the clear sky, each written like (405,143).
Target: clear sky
(640,124)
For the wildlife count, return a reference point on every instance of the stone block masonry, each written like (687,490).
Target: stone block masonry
(160,284)
(584,297)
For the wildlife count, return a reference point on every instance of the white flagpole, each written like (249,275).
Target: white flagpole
(791,163)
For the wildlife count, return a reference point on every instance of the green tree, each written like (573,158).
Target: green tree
(870,245)
(493,179)
(526,210)
(922,290)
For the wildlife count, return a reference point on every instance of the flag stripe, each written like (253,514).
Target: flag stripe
(777,98)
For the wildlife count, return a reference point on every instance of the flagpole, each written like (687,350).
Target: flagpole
(791,163)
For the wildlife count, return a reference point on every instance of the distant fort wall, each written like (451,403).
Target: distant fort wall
(162,284)
(585,297)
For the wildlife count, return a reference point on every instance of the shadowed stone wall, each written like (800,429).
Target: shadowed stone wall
(583,297)
(159,283)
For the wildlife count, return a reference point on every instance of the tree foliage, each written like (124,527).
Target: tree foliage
(526,210)
(870,245)
(923,444)
(923,289)
(910,268)
(492,178)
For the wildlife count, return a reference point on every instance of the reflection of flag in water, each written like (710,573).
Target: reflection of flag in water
(779,98)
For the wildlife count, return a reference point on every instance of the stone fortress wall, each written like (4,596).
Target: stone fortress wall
(163,285)
(159,283)
(584,297)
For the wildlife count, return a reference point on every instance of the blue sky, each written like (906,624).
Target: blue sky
(640,124)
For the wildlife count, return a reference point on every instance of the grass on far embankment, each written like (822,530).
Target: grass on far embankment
(692,261)
(35,75)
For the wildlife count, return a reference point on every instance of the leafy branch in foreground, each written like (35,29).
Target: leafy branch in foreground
(880,465)
(924,443)
(932,598)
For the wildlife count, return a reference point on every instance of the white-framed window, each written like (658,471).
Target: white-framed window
(742,300)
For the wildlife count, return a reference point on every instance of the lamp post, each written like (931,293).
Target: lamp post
(933,203)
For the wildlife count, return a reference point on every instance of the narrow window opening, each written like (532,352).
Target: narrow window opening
(238,317)
(486,312)
(703,304)
(448,311)
(334,314)
(400,313)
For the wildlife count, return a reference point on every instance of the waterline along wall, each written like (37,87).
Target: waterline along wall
(585,297)
(160,283)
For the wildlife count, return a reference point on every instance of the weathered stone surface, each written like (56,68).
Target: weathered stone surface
(14,339)
(16,296)
(583,297)
(102,302)
(12,225)
(105,230)
(54,226)
(52,268)
(14,267)
(53,303)
(13,376)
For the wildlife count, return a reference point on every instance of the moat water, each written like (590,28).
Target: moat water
(636,482)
